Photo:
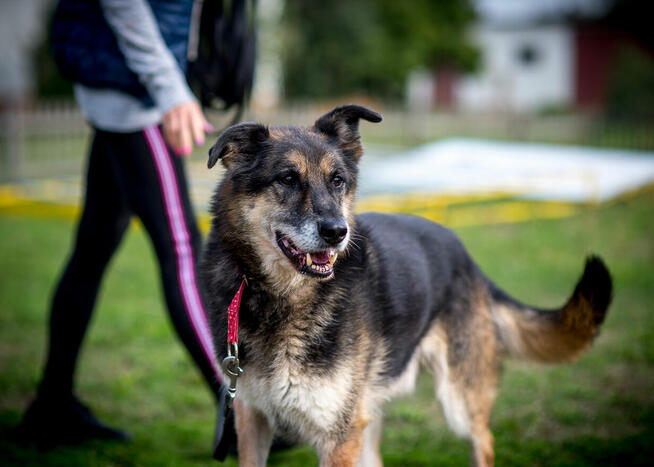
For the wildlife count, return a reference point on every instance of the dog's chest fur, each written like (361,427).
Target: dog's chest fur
(281,377)
(298,401)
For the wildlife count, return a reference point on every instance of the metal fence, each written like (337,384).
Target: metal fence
(408,128)
(41,140)
(50,138)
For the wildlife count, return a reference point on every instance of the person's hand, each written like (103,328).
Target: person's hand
(185,125)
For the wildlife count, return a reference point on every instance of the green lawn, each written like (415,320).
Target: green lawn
(136,375)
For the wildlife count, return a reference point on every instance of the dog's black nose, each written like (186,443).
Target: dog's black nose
(332,231)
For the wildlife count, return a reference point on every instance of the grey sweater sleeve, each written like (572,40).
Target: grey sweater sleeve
(145,51)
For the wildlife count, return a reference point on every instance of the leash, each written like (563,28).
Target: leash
(225,438)
(230,363)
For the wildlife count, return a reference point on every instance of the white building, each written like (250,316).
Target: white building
(523,68)
(534,54)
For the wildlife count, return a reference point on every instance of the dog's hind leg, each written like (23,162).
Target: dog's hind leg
(465,370)
(370,455)
(254,435)
(479,407)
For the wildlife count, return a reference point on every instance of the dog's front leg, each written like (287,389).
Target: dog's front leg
(254,435)
(345,453)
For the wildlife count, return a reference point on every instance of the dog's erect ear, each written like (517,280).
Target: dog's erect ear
(342,123)
(242,140)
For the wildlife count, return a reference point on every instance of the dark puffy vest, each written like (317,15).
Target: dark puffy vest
(86,51)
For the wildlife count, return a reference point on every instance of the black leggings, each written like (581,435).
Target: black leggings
(130,173)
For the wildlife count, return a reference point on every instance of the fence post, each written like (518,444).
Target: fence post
(12,127)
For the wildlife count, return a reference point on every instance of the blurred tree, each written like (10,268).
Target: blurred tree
(631,87)
(631,92)
(370,46)
(49,82)
(634,18)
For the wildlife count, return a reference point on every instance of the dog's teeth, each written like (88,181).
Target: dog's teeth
(309,262)
(332,259)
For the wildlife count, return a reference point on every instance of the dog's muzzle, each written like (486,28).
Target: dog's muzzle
(314,263)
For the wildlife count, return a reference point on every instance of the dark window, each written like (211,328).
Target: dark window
(528,55)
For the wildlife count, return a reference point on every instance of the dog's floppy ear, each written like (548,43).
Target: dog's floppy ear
(342,124)
(244,139)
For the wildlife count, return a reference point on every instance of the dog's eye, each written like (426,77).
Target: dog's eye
(287,179)
(337,181)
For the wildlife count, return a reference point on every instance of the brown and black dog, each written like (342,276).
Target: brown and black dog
(340,311)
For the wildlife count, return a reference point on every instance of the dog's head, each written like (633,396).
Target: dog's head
(291,191)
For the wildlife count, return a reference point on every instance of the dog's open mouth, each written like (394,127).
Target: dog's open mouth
(318,264)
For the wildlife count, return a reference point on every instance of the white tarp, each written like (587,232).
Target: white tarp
(533,170)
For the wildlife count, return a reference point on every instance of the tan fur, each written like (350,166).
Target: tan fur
(317,402)
(254,435)
(466,387)
(278,133)
(346,453)
(326,166)
(562,338)
(230,153)
(299,161)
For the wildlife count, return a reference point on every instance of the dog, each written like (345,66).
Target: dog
(339,311)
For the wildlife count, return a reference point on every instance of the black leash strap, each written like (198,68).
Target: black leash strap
(225,434)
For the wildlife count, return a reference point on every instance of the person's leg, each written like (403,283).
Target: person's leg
(56,416)
(103,222)
(158,194)
(155,185)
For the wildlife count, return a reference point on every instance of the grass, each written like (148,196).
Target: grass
(136,375)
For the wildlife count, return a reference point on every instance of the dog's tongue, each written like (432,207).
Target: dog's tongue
(321,258)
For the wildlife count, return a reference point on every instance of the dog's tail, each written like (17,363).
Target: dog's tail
(551,336)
